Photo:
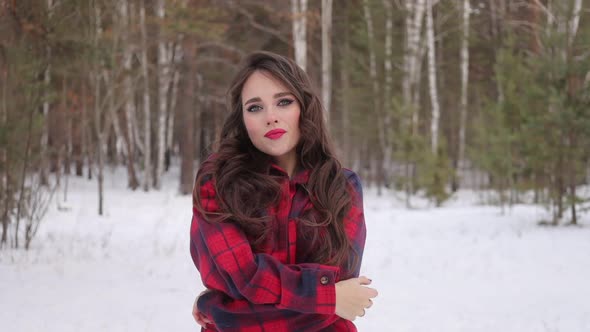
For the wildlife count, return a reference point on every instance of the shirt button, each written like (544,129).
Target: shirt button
(324,280)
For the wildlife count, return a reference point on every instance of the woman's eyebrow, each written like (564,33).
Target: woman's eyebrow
(257,99)
(281,94)
(252,100)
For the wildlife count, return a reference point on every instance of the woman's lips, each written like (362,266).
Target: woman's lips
(275,133)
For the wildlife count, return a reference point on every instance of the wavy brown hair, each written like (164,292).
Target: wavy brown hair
(244,187)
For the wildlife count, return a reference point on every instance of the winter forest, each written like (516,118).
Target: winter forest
(467,120)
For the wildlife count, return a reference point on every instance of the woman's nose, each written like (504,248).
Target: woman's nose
(271,117)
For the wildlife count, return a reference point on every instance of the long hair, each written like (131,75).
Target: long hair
(244,187)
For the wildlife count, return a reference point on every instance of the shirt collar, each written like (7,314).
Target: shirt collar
(300,177)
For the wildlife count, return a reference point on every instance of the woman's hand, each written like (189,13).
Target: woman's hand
(353,297)
(199,317)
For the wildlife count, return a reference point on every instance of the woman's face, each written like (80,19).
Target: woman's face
(271,115)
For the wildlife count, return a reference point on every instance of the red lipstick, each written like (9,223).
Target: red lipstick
(275,133)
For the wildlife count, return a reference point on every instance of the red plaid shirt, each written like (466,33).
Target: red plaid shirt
(274,290)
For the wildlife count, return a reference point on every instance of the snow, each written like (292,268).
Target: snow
(462,267)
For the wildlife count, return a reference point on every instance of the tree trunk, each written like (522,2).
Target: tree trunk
(58,134)
(83,130)
(573,87)
(375,84)
(573,172)
(464,86)
(416,91)
(68,112)
(178,54)
(147,172)
(66,147)
(299,12)
(387,142)
(45,133)
(120,137)
(187,117)
(78,128)
(434,122)
(130,119)
(327,56)
(99,146)
(163,85)
(497,13)
(574,23)
(21,198)
(411,84)
(414,34)
(97,117)
(5,194)
(345,131)
(559,186)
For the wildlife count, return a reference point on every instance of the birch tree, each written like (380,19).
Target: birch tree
(375,82)
(387,140)
(574,23)
(164,59)
(434,102)
(98,128)
(413,59)
(4,184)
(464,82)
(299,12)
(345,100)
(573,86)
(146,101)
(411,82)
(47,82)
(177,60)
(133,183)
(186,114)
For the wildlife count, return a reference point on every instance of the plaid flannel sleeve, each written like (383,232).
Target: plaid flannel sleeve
(227,263)
(355,226)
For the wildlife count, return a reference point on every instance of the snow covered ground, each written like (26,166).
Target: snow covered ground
(463,267)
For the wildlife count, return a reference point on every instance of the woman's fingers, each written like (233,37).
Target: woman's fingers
(353,297)
(372,292)
(199,317)
(364,280)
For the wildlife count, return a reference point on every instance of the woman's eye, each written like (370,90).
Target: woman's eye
(254,108)
(285,102)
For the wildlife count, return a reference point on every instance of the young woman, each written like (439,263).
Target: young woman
(278,228)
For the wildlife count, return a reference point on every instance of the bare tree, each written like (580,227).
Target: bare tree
(299,12)
(39,197)
(99,130)
(22,199)
(5,182)
(164,61)
(434,102)
(128,90)
(186,115)
(411,86)
(574,22)
(177,59)
(413,52)
(375,82)
(345,78)
(464,83)
(47,83)
(387,136)
(147,153)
